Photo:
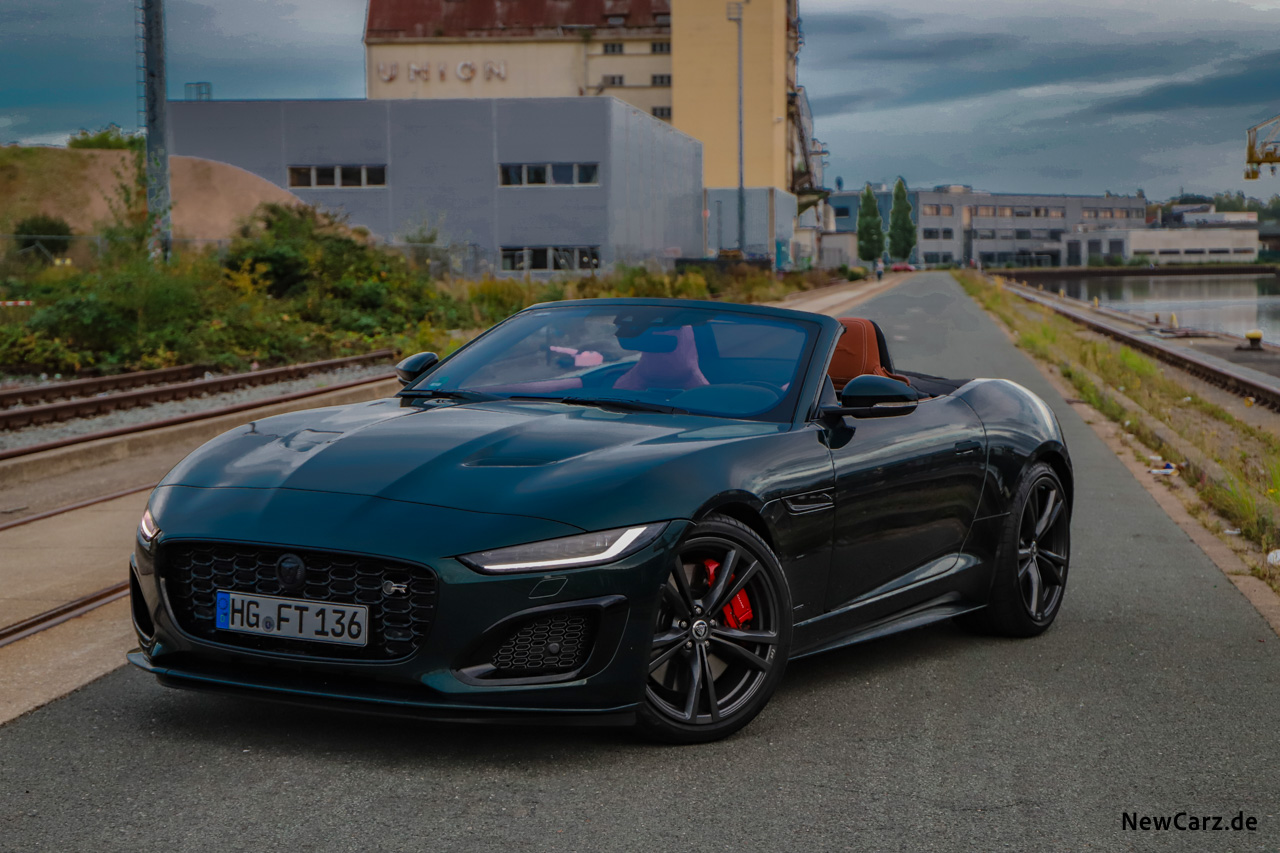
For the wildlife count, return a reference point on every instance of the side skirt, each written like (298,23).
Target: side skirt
(937,610)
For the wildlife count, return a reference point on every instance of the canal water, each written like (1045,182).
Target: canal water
(1220,303)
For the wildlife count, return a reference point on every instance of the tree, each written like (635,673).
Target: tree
(870,231)
(902,231)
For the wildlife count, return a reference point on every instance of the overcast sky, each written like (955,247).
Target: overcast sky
(1006,95)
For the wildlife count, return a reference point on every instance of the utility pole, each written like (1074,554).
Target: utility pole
(734,13)
(157,118)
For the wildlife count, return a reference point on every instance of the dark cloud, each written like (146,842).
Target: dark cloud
(855,24)
(847,102)
(938,48)
(1252,82)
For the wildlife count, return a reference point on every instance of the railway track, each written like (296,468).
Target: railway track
(88,399)
(1236,381)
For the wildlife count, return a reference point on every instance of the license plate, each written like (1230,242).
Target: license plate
(292,618)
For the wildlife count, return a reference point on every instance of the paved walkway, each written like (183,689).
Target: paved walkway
(1158,691)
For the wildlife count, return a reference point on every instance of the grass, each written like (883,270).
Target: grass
(1251,456)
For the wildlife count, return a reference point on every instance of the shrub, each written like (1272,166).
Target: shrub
(43,235)
(110,138)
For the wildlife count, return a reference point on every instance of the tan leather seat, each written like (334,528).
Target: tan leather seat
(858,353)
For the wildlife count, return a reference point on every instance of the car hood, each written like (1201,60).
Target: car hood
(575,464)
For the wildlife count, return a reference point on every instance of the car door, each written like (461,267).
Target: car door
(906,491)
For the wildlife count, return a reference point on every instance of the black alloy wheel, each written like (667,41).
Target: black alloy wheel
(1033,558)
(721,635)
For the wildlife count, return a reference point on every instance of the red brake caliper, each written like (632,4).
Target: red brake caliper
(738,611)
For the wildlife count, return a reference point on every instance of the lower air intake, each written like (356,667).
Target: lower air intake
(546,645)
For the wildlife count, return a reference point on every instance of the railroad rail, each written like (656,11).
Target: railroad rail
(1236,382)
(15,418)
(36,394)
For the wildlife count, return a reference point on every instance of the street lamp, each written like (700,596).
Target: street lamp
(734,13)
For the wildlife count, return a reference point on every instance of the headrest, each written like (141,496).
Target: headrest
(860,350)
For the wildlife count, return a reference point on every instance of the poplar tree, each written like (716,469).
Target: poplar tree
(870,231)
(902,231)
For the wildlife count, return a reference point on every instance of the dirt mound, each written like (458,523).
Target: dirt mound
(209,198)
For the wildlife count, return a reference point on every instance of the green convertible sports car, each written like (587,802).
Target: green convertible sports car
(617,510)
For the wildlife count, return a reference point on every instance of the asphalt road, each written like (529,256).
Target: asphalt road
(1157,691)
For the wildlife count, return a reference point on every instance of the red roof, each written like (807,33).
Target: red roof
(392,19)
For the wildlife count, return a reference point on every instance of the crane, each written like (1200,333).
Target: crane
(1266,152)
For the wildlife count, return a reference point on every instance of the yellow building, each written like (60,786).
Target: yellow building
(675,59)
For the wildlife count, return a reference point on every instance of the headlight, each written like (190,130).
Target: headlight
(147,528)
(571,552)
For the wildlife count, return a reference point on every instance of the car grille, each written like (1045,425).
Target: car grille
(546,645)
(194,571)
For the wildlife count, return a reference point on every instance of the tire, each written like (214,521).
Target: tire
(1032,559)
(721,638)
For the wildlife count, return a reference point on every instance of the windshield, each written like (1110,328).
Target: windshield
(708,361)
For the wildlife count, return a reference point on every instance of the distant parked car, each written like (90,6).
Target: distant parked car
(903,266)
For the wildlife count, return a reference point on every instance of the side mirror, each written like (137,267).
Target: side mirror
(415,365)
(870,396)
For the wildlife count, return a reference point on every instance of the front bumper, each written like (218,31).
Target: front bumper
(440,680)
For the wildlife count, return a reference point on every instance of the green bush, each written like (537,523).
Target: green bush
(110,138)
(43,235)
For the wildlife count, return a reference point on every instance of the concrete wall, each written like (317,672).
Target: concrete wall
(442,159)
(759,202)
(1168,245)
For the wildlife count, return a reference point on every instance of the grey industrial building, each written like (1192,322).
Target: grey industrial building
(956,224)
(531,184)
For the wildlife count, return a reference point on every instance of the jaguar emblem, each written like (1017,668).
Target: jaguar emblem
(291,572)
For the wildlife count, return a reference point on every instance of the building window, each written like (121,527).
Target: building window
(1104,214)
(986,210)
(1243,251)
(662,79)
(1115,247)
(1190,251)
(1006,211)
(1121,214)
(1057,212)
(660,47)
(1022,211)
(1221,251)
(986,234)
(1022,234)
(930,257)
(613,47)
(1055,234)
(1170,252)
(616,21)
(841,212)
(928,210)
(613,80)
(662,19)
(946,257)
(334,176)
(947,234)
(542,258)
(662,112)
(946,209)
(1088,214)
(541,174)
(1138,214)
(930,234)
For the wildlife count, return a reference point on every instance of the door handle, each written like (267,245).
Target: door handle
(965,448)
